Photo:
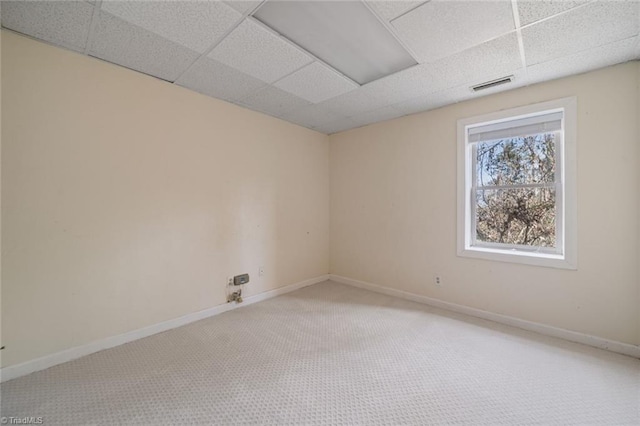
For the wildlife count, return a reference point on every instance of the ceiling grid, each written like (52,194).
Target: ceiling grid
(516,19)
(92,27)
(215,43)
(260,52)
(388,23)
(219,49)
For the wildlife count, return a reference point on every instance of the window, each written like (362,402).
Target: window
(516,185)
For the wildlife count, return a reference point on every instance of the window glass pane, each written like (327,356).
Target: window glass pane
(525,216)
(522,160)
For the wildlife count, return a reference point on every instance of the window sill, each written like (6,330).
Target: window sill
(516,256)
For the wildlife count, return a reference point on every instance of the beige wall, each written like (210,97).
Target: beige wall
(127,201)
(393,211)
(1,351)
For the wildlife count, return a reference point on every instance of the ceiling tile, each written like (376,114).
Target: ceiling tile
(384,92)
(354,102)
(193,24)
(337,126)
(243,6)
(218,80)
(312,116)
(65,23)
(125,44)
(402,85)
(531,11)
(382,114)
(427,102)
(440,28)
(495,59)
(583,28)
(316,82)
(273,101)
(259,52)
(391,9)
(599,57)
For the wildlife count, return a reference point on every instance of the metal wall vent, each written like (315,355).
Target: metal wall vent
(492,83)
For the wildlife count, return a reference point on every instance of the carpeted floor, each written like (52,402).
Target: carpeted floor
(333,354)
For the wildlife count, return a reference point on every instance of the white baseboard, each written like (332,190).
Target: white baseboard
(19,370)
(573,336)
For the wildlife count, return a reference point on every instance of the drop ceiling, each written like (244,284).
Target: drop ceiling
(225,50)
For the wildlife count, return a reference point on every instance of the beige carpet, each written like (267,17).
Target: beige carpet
(332,354)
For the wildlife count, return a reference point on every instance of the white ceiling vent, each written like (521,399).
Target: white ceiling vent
(492,83)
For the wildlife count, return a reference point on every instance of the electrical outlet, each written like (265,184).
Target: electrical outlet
(261,271)
(437,280)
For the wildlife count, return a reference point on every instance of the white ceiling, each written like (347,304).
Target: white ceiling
(218,49)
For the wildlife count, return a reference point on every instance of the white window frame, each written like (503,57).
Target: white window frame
(564,255)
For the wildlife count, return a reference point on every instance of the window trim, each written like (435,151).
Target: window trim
(566,258)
